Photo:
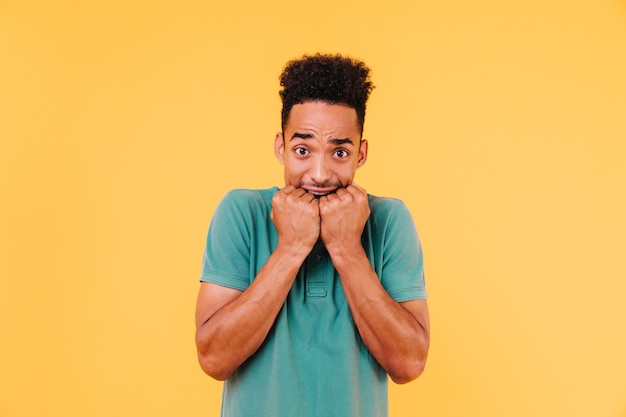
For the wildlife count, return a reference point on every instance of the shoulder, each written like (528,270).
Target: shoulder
(386,206)
(387,213)
(244,197)
(244,205)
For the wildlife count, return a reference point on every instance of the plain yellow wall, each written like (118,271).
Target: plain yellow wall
(501,124)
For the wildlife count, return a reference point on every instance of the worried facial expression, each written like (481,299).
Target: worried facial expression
(321,147)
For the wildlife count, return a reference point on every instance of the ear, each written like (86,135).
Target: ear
(279,147)
(362,153)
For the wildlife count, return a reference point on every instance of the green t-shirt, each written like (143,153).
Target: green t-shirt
(313,362)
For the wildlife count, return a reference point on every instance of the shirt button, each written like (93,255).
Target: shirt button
(318,258)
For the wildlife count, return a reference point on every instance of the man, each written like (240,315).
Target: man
(313,293)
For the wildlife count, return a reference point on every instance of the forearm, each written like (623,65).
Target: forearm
(232,334)
(396,338)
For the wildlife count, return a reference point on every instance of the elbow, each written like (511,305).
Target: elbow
(213,368)
(408,372)
(408,367)
(213,364)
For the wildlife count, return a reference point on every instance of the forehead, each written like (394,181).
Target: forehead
(323,118)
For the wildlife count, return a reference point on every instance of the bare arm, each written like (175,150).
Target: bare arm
(396,334)
(232,324)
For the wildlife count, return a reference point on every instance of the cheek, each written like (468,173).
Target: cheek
(345,172)
(295,168)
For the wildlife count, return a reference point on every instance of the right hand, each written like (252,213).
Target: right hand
(296,215)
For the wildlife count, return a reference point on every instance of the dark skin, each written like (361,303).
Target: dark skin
(321,150)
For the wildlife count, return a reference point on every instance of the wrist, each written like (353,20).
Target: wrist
(346,251)
(293,252)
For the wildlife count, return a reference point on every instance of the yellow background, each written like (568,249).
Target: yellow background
(501,124)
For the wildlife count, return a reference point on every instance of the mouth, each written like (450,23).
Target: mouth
(320,192)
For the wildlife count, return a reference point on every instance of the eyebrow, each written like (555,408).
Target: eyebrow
(333,141)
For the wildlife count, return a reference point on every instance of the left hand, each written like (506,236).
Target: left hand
(343,216)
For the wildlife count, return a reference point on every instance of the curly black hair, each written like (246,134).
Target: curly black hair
(335,79)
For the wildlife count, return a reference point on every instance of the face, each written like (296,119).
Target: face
(321,147)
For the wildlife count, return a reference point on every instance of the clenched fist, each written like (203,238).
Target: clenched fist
(343,215)
(295,213)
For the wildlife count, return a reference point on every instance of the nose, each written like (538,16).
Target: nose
(320,172)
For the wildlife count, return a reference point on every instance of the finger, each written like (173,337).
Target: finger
(341,194)
(357,192)
(294,192)
(323,200)
(308,197)
(330,197)
(284,192)
(358,187)
(301,193)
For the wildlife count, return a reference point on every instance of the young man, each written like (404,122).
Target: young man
(313,293)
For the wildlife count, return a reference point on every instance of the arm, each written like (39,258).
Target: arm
(396,334)
(232,324)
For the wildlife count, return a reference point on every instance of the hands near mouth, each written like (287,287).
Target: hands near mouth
(338,218)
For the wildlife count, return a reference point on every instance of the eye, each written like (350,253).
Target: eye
(341,153)
(301,151)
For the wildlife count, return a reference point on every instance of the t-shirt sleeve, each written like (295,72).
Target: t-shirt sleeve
(403,260)
(226,258)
